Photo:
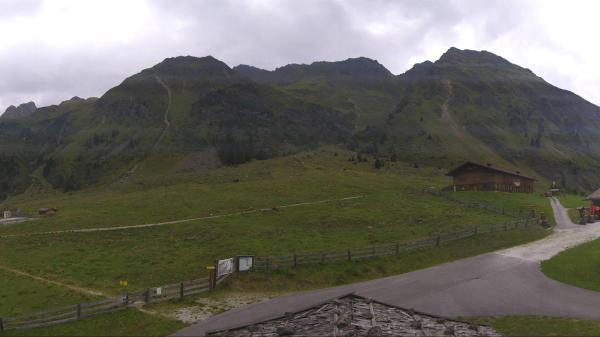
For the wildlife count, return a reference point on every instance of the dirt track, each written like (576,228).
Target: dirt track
(165,223)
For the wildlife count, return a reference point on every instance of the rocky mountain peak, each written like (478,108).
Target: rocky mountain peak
(352,69)
(471,57)
(21,111)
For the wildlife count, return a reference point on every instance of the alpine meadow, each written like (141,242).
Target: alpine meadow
(333,178)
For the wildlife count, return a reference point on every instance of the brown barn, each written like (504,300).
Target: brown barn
(476,177)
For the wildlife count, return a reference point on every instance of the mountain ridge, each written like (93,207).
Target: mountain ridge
(467,105)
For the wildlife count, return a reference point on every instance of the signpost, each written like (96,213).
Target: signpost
(211,277)
(224,267)
(219,270)
(244,263)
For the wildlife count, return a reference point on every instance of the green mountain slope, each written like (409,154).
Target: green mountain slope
(187,113)
(478,106)
(359,86)
(182,105)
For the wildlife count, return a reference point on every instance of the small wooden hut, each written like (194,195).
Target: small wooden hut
(47,212)
(594,197)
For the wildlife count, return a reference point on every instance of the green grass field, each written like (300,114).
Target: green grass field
(577,266)
(540,326)
(129,322)
(571,202)
(313,277)
(388,210)
(20,295)
(520,202)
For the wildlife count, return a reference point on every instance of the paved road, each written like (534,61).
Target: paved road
(507,282)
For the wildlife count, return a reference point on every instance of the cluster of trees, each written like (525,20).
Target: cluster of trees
(235,150)
(378,163)
(14,176)
(102,138)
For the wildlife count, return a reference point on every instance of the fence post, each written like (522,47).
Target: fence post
(295,260)
(147,296)
(126,299)
(397,249)
(267,263)
(1,324)
(212,276)
(181,290)
(437,241)
(322,258)
(78,310)
(349,255)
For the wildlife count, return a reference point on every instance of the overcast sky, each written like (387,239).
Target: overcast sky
(53,50)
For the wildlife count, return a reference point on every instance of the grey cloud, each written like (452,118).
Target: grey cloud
(266,34)
(15,8)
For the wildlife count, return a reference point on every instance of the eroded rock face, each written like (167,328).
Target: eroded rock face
(23,110)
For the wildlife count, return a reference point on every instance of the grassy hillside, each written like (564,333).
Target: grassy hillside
(20,295)
(389,209)
(572,202)
(577,266)
(477,105)
(467,105)
(540,326)
(129,322)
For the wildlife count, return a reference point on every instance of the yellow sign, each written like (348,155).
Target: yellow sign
(123,283)
(210,267)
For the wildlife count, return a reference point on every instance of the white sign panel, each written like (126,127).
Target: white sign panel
(224,267)
(245,263)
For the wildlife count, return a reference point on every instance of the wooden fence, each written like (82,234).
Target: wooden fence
(266,263)
(108,305)
(475,204)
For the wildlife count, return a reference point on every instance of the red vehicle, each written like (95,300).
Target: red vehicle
(594,209)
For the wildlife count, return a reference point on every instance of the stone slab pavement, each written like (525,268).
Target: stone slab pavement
(506,282)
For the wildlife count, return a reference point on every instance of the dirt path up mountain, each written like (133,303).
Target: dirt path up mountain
(162,133)
(472,147)
(447,116)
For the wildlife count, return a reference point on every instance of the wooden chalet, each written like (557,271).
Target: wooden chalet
(595,197)
(476,177)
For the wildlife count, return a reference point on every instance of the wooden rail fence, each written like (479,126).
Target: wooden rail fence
(474,204)
(266,263)
(108,305)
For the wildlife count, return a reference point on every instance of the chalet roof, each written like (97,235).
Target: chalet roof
(594,195)
(358,316)
(490,167)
